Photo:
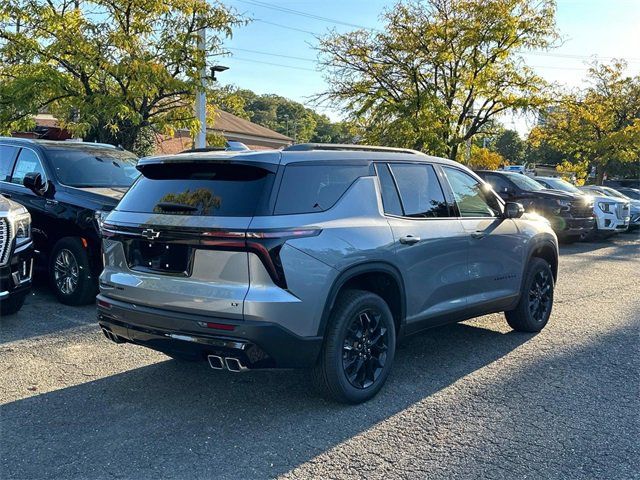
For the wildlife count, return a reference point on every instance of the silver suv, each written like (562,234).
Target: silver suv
(319,256)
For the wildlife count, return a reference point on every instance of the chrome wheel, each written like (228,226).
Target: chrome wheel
(540,296)
(66,272)
(364,350)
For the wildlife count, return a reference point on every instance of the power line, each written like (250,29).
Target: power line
(291,11)
(286,26)
(272,54)
(273,64)
(339,22)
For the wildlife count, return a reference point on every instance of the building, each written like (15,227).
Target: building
(229,126)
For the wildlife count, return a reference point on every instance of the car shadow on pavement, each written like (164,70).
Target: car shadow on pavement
(625,246)
(165,418)
(44,315)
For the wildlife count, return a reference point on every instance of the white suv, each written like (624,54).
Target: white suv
(612,214)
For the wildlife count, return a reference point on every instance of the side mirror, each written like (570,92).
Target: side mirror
(33,181)
(513,210)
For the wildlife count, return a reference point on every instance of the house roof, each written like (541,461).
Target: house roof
(226,122)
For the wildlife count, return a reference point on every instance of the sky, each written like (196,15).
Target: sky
(275,52)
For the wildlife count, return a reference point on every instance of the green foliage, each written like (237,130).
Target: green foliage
(510,146)
(284,116)
(107,69)
(440,71)
(485,159)
(600,125)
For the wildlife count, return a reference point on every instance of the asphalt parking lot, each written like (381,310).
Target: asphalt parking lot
(472,400)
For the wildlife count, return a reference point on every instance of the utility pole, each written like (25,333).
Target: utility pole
(201,97)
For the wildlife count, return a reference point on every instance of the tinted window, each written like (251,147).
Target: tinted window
(420,190)
(498,183)
(27,162)
(525,183)
(470,198)
(204,189)
(315,188)
(390,198)
(93,167)
(7,156)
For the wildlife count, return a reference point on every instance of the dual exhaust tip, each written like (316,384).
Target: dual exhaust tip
(112,336)
(230,363)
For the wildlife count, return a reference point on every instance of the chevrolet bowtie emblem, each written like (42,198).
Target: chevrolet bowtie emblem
(150,234)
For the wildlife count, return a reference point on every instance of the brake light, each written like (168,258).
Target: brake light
(266,244)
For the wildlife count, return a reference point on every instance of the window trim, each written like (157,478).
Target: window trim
(389,163)
(500,201)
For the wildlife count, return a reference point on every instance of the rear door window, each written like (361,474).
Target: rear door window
(315,188)
(204,189)
(420,190)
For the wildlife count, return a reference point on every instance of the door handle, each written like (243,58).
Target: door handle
(8,195)
(409,240)
(478,235)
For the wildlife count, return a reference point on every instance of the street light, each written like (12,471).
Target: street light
(217,68)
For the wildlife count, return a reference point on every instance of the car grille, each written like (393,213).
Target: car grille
(581,210)
(5,240)
(622,210)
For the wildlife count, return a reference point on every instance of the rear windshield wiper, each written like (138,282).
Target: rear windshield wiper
(176,207)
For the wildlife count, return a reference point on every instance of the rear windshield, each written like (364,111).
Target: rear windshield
(315,188)
(93,167)
(206,189)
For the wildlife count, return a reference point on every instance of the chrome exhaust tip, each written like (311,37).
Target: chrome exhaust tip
(234,365)
(106,333)
(215,362)
(112,336)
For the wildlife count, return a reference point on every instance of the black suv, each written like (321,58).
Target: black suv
(67,187)
(570,215)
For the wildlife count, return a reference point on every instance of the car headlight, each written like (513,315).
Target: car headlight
(21,225)
(100,216)
(606,207)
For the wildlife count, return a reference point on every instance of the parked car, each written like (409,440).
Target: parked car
(570,214)
(634,221)
(16,251)
(632,193)
(319,256)
(612,214)
(67,187)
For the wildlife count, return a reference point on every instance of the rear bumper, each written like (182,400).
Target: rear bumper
(255,344)
(15,277)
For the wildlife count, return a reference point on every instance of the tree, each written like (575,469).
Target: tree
(107,69)
(600,125)
(510,146)
(439,71)
(485,159)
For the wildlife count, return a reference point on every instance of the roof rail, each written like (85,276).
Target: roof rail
(204,149)
(309,147)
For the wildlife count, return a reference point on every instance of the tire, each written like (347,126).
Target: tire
(70,259)
(12,304)
(353,310)
(529,315)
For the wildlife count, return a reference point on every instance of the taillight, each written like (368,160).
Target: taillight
(266,244)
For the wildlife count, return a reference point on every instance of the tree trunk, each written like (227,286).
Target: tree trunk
(599,174)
